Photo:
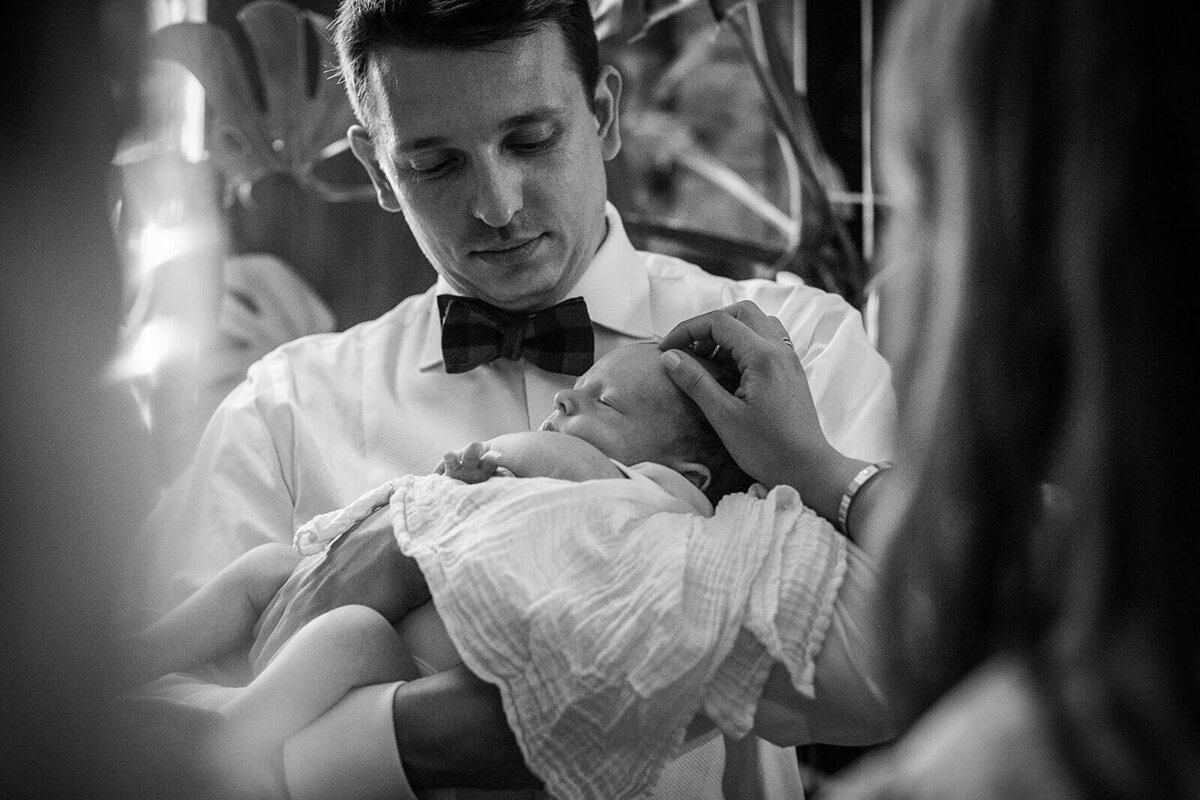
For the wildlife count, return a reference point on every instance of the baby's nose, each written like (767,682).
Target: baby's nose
(566,402)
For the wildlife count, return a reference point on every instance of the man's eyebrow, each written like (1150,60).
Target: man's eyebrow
(421,143)
(530,117)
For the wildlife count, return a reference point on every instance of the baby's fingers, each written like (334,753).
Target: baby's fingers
(490,462)
(451,464)
(472,453)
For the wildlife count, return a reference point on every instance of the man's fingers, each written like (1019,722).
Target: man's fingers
(695,381)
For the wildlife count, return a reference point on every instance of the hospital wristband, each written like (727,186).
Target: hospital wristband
(852,489)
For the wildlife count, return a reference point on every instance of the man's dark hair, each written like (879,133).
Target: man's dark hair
(362,27)
(707,447)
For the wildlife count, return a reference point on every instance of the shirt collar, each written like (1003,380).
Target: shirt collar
(615,286)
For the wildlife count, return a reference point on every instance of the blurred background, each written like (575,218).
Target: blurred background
(178,200)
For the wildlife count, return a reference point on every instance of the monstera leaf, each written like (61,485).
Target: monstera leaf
(280,111)
(821,247)
(614,15)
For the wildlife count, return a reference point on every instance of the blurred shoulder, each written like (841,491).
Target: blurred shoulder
(989,738)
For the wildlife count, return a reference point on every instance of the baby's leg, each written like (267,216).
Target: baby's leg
(345,648)
(217,619)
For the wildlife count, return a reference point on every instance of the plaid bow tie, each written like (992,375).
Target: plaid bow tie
(557,339)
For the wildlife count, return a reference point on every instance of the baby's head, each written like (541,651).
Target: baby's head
(628,408)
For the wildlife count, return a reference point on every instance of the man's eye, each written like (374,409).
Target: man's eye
(430,168)
(534,145)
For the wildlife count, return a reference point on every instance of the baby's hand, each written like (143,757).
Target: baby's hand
(475,463)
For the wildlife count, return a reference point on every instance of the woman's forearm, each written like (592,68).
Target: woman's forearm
(827,481)
(822,480)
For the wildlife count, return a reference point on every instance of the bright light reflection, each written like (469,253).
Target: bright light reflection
(156,245)
(155,343)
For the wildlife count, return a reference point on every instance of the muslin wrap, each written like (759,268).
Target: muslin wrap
(608,613)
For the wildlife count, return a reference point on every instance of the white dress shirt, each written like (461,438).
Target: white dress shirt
(323,419)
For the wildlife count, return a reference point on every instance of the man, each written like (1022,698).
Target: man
(487,123)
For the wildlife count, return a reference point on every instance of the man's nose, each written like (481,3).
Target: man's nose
(498,193)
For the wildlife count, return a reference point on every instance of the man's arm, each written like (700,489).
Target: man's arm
(365,566)
(232,498)
(450,727)
(216,620)
(451,732)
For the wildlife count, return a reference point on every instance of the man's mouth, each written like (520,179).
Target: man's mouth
(508,256)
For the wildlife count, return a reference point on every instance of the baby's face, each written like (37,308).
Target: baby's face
(625,406)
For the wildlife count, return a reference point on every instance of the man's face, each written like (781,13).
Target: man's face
(625,406)
(496,157)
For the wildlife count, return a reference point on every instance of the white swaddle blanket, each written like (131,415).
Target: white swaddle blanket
(606,621)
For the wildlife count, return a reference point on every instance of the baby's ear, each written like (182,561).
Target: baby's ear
(699,475)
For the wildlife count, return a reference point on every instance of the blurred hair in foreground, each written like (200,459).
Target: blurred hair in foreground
(1046,348)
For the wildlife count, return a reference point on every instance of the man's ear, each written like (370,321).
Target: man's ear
(364,150)
(606,103)
(699,475)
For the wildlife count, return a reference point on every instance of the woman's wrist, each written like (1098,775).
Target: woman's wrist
(866,523)
(821,479)
(853,488)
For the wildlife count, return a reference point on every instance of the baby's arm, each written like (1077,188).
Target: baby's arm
(529,454)
(218,619)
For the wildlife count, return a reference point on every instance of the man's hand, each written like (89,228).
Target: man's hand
(364,567)
(451,732)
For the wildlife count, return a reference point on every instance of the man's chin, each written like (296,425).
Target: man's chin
(529,299)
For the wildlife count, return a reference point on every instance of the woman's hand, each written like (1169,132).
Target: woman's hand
(770,424)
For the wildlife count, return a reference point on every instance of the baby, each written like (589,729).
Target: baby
(624,418)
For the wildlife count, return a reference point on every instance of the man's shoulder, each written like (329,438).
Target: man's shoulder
(332,357)
(405,319)
(784,293)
